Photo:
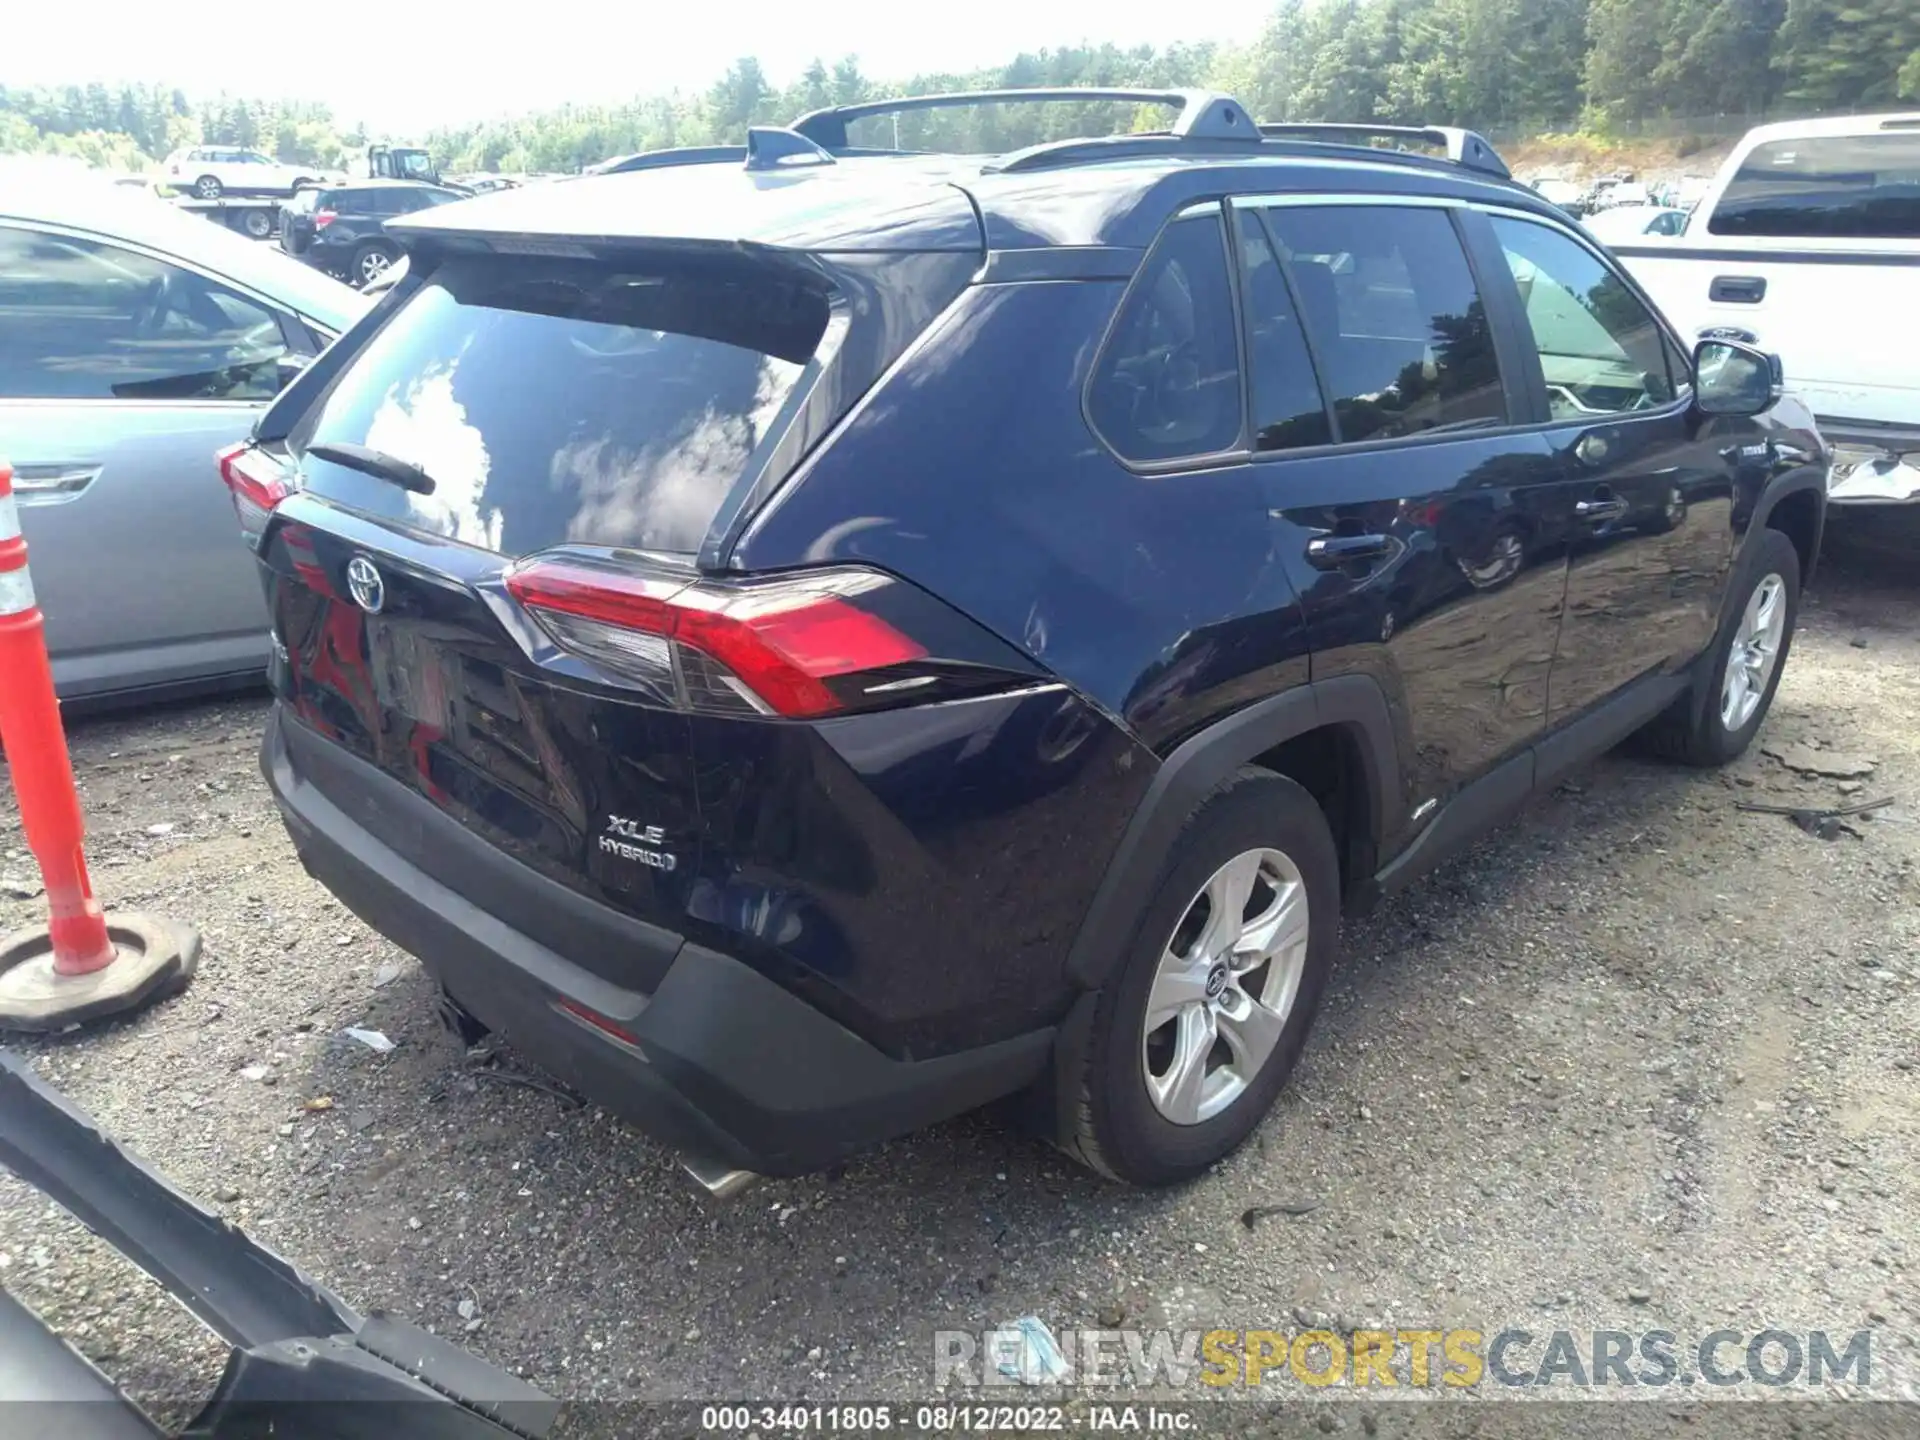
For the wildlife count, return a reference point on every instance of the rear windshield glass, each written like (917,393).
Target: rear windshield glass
(1855,187)
(556,401)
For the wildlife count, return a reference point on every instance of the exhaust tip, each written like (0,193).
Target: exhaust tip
(717,1180)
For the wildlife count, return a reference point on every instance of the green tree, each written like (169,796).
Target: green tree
(740,98)
(1854,53)
(1717,53)
(1625,47)
(1545,85)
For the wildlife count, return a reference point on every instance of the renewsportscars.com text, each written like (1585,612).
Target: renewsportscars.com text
(1457,1359)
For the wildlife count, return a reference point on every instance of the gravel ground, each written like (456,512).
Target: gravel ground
(1640,1061)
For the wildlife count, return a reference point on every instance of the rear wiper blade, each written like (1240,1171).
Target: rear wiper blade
(376,463)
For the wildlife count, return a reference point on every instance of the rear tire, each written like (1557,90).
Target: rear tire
(370,262)
(257,223)
(1716,720)
(208,187)
(1194,1037)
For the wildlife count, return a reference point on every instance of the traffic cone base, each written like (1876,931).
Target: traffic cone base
(153,959)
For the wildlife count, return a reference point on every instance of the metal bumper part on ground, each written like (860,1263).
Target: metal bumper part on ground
(304,1365)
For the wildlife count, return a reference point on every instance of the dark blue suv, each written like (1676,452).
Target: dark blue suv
(809,639)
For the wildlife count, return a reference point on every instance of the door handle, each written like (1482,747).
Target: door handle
(1597,512)
(1330,552)
(50,484)
(1738,289)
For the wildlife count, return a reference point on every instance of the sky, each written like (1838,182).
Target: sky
(434,62)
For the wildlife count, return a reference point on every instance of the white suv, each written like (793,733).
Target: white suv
(210,171)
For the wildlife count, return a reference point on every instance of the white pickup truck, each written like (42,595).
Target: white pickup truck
(1808,244)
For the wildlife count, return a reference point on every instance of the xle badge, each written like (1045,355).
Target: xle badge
(631,840)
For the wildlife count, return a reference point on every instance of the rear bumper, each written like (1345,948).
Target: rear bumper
(1873,463)
(730,1068)
(1875,435)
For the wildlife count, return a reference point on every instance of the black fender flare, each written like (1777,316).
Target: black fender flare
(1794,482)
(1201,764)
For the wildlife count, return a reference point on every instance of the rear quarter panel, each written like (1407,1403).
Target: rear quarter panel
(971,471)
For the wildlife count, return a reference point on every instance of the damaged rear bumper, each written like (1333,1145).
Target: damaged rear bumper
(302,1364)
(1873,464)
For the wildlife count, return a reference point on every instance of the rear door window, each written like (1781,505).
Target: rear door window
(1167,384)
(571,401)
(1395,319)
(1288,409)
(1839,187)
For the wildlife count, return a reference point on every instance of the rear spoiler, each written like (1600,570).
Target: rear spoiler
(303,1364)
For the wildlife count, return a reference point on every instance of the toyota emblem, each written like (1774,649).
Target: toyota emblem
(368,589)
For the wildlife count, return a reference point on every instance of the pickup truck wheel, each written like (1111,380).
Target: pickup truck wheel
(1717,719)
(1193,1039)
(207,187)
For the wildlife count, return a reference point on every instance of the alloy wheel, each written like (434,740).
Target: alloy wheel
(1225,985)
(1755,650)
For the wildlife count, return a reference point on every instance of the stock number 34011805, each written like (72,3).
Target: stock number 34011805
(798,1419)
(869,1419)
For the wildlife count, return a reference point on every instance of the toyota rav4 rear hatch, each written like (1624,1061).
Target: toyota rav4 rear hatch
(484,540)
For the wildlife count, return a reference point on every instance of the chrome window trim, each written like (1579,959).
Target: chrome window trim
(1348,198)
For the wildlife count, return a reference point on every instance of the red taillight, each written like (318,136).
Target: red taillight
(324,218)
(769,647)
(258,482)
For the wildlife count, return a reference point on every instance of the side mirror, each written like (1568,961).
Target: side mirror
(1731,378)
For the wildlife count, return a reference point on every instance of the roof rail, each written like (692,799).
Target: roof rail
(1463,147)
(1201,114)
(772,147)
(1055,154)
(667,159)
(1206,122)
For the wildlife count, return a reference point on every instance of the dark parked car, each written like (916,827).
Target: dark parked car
(809,643)
(344,230)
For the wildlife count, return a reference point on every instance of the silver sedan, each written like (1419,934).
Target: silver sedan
(135,341)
